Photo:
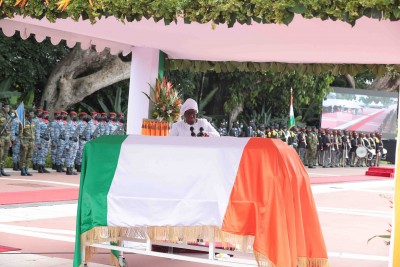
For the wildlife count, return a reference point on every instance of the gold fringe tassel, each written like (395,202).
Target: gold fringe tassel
(187,234)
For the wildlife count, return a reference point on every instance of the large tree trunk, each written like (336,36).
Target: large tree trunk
(350,80)
(389,83)
(80,74)
(234,114)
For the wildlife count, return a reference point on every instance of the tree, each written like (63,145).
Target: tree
(245,95)
(27,63)
(81,73)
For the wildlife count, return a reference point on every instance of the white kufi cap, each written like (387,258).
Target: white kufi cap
(189,104)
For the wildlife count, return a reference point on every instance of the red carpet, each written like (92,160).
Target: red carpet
(6,249)
(39,196)
(343,179)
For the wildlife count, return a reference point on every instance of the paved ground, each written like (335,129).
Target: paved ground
(350,213)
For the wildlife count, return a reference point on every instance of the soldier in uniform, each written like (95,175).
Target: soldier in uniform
(5,136)
(261,131)
(335,153)
(379,148)
(84,136)
(15,141)
(94,125)
(121,123)
(312,143)
(354,146)
(71,142)
(36,120)
(222,128)
(302,145)
(235,131)
(61,142)
(43,142)
(28,136)
(325,147)
(54,136)
(104,129)
(112,124)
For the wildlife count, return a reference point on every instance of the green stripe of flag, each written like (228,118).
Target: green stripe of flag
(99,162)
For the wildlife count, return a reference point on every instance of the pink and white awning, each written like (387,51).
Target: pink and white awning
(370,41)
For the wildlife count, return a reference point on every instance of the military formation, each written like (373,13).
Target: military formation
(62,138)
(318,147)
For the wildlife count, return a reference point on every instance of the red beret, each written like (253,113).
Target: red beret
(73,113)
(113,114)
(93,113)
(56,112)
(64,112)
(83,113)
(103,114)
(120,114)
(45,112)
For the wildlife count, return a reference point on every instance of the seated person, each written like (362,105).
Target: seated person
(191,125)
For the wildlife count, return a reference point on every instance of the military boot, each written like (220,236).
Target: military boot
(40,169)
(53,166)
(70,171)
(35,166)
(59,168)
(2,171)
(27,173)
(78,168)
(15,166)
(23,172)
(44,170)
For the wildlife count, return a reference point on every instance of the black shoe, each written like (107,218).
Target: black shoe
(44,170)
(59,168)
(40,169)
(35,167)
(3,173)
(54,166)
(27,173)
(78,168)
(23,172)
(15,167)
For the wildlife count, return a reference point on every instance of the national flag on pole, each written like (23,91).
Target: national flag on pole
(291,113)
(190,188)
(21,114)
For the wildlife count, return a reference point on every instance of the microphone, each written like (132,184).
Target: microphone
(201,134)
(192,132)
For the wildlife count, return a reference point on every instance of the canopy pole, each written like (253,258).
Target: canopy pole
(144,71)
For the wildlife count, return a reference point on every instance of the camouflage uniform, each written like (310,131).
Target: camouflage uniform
(61,129)
(113,124)
(54,135)
(84,136)
(16,142)
(5,137)
(44,142)
(94,126)
(28,136)
(72,142)
(312,143)
(35,156)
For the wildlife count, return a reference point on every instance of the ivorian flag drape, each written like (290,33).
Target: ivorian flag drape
(218,189)
(291,113)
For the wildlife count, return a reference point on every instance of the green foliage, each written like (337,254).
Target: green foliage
(113,98)
(264,95)
(232,66)
(28,64)
(5,92)
(203,11)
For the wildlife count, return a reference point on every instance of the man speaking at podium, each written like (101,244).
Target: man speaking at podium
(191,125)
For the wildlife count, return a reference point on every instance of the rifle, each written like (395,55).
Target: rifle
(75,135)
(46,135)
(96,131)
(5,125)
(117,131)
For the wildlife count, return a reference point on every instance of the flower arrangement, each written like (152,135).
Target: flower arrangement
(165,101)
